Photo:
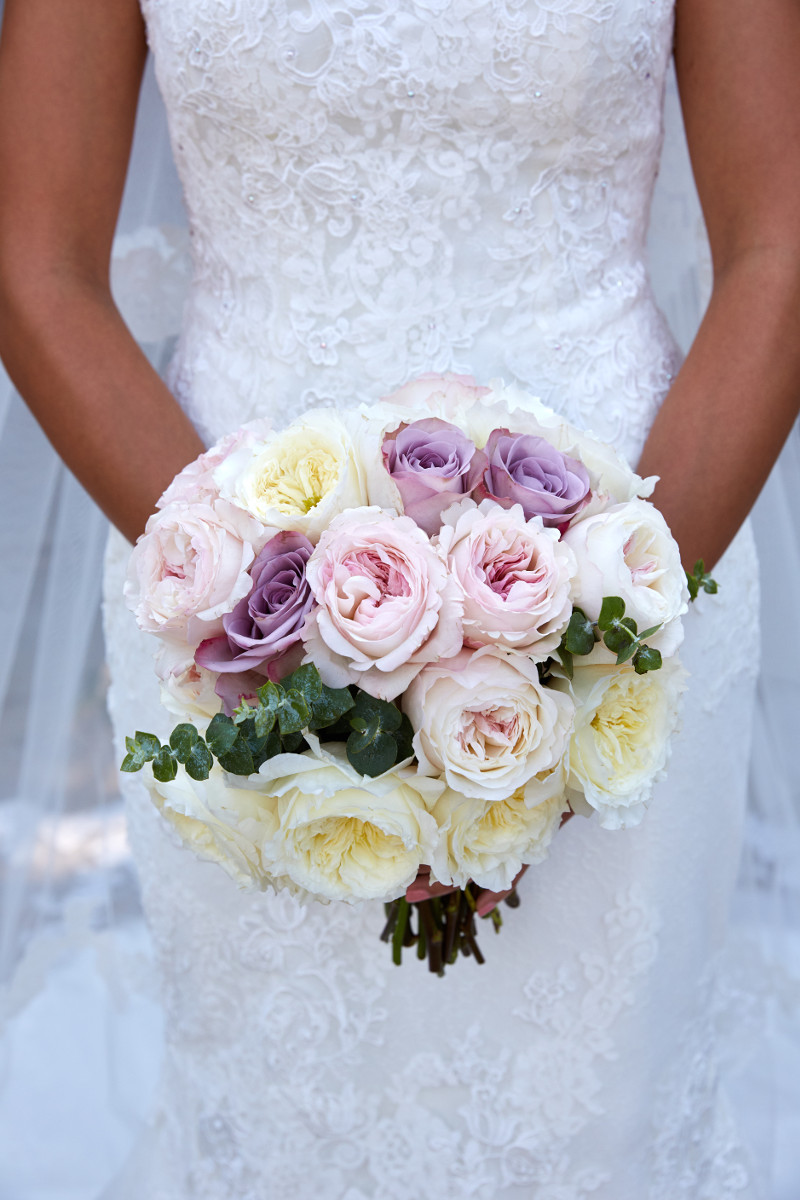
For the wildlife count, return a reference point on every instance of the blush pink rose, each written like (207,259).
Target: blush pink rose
(190,567)
(386,605)
(195,483)
(515,576)
(485,724)
(438,395)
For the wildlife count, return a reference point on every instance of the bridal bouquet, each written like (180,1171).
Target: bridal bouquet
(405,641)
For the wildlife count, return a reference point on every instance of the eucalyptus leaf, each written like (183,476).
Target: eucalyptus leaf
(566,661)
(293,713)
(646,659)
(579,635)
(239,759)
(183,739)
(372,756)
(199,761)
(221,734)
(165,767)
(404,738)
(326,705)
(612,609)
(626,653)
(370,709)
(142,748)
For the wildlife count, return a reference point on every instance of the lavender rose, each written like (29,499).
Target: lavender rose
(527,470)
(262,634)
(433,464)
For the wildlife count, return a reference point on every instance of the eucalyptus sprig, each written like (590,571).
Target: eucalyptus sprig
(698,580)
(619,633)
(376,734)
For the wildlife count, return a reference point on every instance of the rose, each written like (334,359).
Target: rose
(432,463)
(514,576)
(300,478)
(385,603)
(628,551)
(345,837)
(221,823)
(610,477)
(186,689)
(195,483)
(528,470)
(263,632)
(485,722)
(447,395)
(488,841)
(189,567)
(621,739)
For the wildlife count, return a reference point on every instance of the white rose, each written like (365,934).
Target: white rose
(488,841)
(189,567)
(485,723)
(343,836)
(299,478)
(220,822)
(628,551)
(187,690)
(514,576)
(621,740)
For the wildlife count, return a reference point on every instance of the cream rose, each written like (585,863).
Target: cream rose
(299,478)
(385,604)
(187,690)
(621,740)
(628,551)
(189,567)
(488,841)
(514,576)
(221,823)
(485,723)
(342,836)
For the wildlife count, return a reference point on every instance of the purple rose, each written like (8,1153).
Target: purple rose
(433,464)
(262,634)
(527,470)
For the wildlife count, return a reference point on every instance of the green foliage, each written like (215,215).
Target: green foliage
(698,579)
(619,634)
(376,734)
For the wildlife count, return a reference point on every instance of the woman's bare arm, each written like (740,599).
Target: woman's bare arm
(69,81)
(733,403)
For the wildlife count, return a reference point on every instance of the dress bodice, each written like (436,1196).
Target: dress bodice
(377,189)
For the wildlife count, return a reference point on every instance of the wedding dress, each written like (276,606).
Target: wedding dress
(376,190)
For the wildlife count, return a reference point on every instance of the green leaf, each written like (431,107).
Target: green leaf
(291,744)
(270,698)
(646,633)
(239,759)
(626,652)
(400,930)
(612,609)
(646,659)
(183,739)
(221,735)
(326,705)
(566,661)
(142,748)
(165,767)
(381,712)
(372,755)
(199,761)
(620,637)
(293,713)
(404,739)
(579,635)
(697,579)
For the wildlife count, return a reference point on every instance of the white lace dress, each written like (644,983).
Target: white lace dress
(376,189)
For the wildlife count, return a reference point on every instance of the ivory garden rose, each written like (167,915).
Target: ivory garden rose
(385,603)
(621,737)
(299,478)
(628,551)
(344,837)
(515,576)
(485,723)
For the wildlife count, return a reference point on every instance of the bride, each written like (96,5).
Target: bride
(375,190)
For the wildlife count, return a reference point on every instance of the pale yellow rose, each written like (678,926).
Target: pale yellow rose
(620,744)
(301,477)
(488,841)
(342,836)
